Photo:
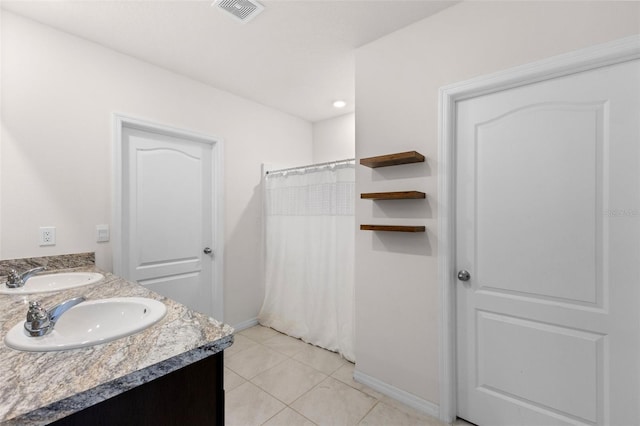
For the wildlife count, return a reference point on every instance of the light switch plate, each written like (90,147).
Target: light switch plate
(102,233)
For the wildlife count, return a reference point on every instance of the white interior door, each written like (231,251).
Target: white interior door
(548,227)
(168,215)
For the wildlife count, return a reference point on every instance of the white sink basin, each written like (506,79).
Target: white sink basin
(90,323)
(53,282)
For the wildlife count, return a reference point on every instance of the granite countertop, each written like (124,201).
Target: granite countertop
(37,388)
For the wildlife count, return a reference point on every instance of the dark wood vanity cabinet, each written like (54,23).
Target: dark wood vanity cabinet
(192,395)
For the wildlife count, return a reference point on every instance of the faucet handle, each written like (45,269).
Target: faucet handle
(36,312)
(38,320)
(13,278)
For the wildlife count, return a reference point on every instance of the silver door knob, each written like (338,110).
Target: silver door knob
(464,275)
(207,250)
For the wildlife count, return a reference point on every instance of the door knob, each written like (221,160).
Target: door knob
(207,250)
(464,275)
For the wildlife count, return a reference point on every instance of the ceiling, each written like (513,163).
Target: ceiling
(296,56)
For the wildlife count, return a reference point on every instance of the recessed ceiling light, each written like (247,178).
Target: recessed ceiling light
(339,104)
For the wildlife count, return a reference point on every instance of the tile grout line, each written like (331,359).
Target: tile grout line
(292,357)
(269,419)
(370,410)
(264,347)
(304,393)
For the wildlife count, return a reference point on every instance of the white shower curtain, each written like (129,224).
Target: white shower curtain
(310,227)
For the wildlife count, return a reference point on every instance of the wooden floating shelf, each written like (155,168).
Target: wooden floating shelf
(393,159)
(392,228)
(397,195)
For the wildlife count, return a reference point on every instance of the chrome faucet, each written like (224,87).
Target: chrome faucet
(15,280)
(40,321)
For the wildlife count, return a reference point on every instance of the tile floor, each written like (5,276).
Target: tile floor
(274,380)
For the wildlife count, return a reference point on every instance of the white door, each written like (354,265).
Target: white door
(548,227)
(167,216)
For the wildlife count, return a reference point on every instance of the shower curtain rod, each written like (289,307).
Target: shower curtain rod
(311,166)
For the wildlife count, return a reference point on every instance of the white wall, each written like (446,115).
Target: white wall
(334,138)
(58,96)
(397,82)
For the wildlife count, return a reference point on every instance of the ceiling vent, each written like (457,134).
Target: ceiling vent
(242,10)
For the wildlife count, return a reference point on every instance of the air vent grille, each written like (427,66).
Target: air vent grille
(243,10)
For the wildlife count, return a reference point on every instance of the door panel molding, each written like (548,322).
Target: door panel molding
(583,128)
(585,348)
(594,57)
(119,193)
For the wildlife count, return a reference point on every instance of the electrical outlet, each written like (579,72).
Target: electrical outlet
(47,235)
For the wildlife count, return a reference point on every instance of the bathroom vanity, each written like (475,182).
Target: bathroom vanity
(169,373)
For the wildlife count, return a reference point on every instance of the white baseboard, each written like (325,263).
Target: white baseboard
(245,324)
(405,397)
